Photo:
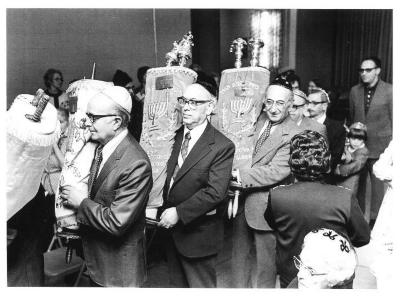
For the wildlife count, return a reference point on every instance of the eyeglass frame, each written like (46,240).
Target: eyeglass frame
(298,263)
(314,103)
(367,70)
(191,102)
(94,117)
(279,103)
(58,79)
(295,107)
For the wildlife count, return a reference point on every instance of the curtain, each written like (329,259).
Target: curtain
(362,33)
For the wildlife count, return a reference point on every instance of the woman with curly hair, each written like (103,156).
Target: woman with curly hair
(310,203)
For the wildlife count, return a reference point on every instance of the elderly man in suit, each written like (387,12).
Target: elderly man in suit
(198,174)
(371,103)
(317,104)
(112,213)
(296,112)
(253,251)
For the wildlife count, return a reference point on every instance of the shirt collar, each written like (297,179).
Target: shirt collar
(110,146)
(196,132)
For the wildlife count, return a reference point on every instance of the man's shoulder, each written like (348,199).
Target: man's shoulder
(134,149)
(220,138)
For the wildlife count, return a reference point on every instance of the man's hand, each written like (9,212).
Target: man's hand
(169,218)
(72,197)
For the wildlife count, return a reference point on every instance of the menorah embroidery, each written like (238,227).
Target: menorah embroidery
(241,106)
(156,110)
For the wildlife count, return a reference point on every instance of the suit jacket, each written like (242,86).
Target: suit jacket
(199,188)
(336,139)
(269,167)
(295,210)
(379,119)
(349,174)
(112,224)
(310,124)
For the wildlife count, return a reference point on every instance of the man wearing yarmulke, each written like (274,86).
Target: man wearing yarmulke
(253,251)
(112,216)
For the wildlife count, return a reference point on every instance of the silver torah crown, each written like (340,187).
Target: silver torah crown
(185,49)
(172,56)
(237,46)
(256,44)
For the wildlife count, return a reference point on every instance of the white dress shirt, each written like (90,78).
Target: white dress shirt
(195,134)
(110,147)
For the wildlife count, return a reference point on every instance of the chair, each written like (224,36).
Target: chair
(56,268)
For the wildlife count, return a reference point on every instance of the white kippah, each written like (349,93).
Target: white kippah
(120,96)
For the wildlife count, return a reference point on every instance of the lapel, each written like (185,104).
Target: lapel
(198,152)
(260,123)
(174,154)
(110,164)
(272,141)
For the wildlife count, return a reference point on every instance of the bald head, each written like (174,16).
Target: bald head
(198,92)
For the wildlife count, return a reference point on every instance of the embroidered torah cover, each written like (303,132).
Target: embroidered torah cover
(80,152)
(239,104)
(28,149)
(161,118)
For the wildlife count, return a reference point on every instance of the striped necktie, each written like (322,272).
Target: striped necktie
(94,169)
(184,152)
(262,138)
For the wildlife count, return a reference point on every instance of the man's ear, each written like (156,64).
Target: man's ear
(117,122)
(378,70)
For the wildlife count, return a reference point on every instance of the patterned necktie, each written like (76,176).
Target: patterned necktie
(184,152)
(262,138)
(94,170)
(185,145)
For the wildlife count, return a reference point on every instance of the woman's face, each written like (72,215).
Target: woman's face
(313,273)
(311,86)
(57,81)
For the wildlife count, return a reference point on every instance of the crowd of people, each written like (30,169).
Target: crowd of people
(303,201)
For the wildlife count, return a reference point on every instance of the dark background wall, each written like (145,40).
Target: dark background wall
(315,46)
(71,40)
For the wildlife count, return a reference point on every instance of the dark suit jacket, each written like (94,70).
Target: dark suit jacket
(349,174)
(379,119)
(336,139)
(295,210)
(199,187)
(112,224)
(269,167)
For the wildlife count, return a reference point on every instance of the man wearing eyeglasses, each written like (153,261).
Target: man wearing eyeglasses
(112,214)
(253,240)
(317,105)
(296,112)
(198,174)
(371,104)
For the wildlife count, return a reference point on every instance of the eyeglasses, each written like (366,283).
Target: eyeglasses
(368,70)
(94,117)
(279,104)
(315,102)
(295,107)
(192,102)
(58,79)
(299,264)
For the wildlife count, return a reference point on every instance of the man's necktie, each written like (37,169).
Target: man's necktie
(262,137)
(94,170)
(184,152)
